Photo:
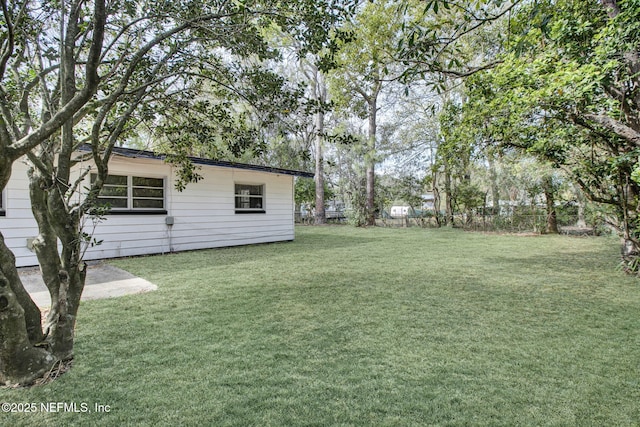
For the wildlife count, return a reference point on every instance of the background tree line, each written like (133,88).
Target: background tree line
(482,95)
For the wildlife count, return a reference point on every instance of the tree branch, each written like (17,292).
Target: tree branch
(20,147)
(616,127)
(8,48)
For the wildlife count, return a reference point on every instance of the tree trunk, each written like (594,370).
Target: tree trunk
(434,187)
(20,361)
(32,315)
(23,357)
(436,202)
(20,323)
(581,222)
(630,252)
(549,194)
(370,160)
(495,190)
(63,273)
(320,217)
(448,220)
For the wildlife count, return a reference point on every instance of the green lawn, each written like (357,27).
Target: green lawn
(363,327)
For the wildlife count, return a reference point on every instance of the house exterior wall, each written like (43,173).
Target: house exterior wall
(17,223)
(203,214)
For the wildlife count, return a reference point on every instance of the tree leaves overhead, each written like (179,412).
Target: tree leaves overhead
(567,89)
(443,38)
(149,45)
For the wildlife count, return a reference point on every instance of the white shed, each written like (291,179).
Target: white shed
(233,204)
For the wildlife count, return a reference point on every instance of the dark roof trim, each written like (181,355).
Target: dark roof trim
(144,154)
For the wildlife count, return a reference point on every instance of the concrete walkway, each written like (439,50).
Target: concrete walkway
(103,281)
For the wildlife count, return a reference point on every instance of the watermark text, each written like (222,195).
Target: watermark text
(54,407)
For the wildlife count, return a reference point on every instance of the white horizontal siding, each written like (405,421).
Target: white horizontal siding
(18,224)
(204,214)
(206,217)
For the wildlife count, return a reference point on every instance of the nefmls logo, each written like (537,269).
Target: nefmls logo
(64,407)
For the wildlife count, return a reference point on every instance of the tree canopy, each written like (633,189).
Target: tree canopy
(567,90)
(555,80)
(77,72)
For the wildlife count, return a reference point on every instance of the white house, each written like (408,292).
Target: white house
(234,204)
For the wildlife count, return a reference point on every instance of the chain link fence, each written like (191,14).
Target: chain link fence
(520,223)
(512,222)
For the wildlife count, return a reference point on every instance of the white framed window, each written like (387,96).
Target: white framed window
(126,193)
(250,198)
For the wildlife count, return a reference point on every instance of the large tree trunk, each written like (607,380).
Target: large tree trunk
(20,327)
(20,361)
(63,273)
(32,315)
(630,231)
(25,351)
(20,322)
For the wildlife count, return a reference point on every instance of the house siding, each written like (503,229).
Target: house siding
(17,224)
(204,213)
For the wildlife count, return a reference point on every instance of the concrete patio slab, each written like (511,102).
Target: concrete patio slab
(103,281)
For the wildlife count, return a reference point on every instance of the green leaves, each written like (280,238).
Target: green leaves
(566,91)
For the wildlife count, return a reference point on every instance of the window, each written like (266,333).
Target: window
(250,198)
(2,211)
(132,194)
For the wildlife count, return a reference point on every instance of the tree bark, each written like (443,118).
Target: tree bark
(448,190)
(321,217)
(581,221)
(33,317)
(20,361)
(495,190)
(370,160)
(617,127)
(630,252)
(63,273)
(321,97)
(436,198)
(549,194)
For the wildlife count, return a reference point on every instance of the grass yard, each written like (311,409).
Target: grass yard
(362,327)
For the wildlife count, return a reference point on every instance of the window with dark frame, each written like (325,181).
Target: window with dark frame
(249,198)
(147,193)
(123,193)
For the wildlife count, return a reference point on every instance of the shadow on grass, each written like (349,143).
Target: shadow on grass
(307,245)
